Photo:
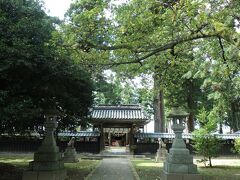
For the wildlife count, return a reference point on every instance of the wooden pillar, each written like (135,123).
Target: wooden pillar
(102,143)
(131,142)
(109,139)
(127,139)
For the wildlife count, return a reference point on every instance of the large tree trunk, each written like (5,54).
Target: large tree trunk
(190,122)
(234,115)
(159,120)
(190,104)
(210,161)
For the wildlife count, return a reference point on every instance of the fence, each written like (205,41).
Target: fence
(89,142)
(149,147)
(8,144)
(184,135)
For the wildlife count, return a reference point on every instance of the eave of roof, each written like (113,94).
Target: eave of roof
(122,113)
(79,134)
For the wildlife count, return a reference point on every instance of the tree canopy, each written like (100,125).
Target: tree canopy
(35,73)
(190,47)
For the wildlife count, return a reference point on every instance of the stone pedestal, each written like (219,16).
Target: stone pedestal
(70,155)
(173,176)
(179,159)
(179,163)
(47,164)
(44,175)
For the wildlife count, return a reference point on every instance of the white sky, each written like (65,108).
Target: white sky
(57,7)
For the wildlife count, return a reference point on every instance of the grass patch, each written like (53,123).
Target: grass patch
(12,167)
(224,172)
(77,171)
(147,169)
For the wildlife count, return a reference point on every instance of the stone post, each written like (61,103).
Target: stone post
(179,163)
(47,162)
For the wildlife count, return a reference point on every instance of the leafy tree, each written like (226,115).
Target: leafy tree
(220,74)
(237,145)
(35,73)
(107,92)
(113,91)
(208,146)
(162,38)
(205,143)
(86,25)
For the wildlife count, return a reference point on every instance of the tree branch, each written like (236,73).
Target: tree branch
(176,42)
(222,48)
(152,52)
(223,56)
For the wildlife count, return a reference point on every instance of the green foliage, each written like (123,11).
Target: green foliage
(192,47)
(208,120)
(208,146)
(108,92)
(205,142)
(237,145)
(113,90)
(86,29)
(35,73)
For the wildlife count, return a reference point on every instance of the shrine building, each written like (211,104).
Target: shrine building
(117,124)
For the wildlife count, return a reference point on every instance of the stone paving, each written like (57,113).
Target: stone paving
(113,169)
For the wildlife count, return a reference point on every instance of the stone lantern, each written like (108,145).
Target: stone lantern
(179,163)
(47,164)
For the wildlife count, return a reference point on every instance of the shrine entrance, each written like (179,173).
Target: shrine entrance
(116,136)
(117,124)
(117,139)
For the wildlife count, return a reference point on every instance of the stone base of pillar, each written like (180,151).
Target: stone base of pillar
(180,168)
(45,175)
(70,155)
(47,164)
(172,176)
(179,161)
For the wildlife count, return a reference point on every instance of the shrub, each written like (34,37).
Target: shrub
(237,145)
(208,146)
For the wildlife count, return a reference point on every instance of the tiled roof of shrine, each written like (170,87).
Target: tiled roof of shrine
(120,112)
(79,134)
